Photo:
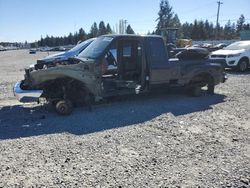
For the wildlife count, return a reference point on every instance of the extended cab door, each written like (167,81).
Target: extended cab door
(161,71)
(129,59)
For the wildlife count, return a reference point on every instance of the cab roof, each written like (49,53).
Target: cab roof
(131,35)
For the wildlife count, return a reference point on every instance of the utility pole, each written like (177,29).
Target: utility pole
(217,22)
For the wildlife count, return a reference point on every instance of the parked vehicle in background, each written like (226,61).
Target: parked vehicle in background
(32,50)
(115,65)
(63,56)
(220,46)
(213,48)
(2,48)
(58,48)
(237,55)
(45,49)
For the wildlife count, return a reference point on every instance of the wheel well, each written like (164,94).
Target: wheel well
(64,88)
(244,58)
(202,79)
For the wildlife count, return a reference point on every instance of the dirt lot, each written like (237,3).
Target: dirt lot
(160,140)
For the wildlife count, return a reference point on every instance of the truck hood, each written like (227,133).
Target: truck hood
(227,52)
(54,55)
(58,57)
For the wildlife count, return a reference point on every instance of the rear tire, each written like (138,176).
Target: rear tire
(195,91)
(64,107)
(210,86)
(243,65)
(210,89)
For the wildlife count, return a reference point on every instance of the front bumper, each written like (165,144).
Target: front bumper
(26,95)
(229,61)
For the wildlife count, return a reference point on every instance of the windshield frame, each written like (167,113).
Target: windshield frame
(103,50)
(81,45)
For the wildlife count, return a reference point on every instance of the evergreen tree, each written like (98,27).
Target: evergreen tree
(240,23)
(201,30)
(233,27)
(57,41)
(108,29)
(220,32)
(102,29)
(70,39)
(246,26)
(149,33)
(228,30)
(175,22)
(129,30)
(81,35)
(52,41)
(211,31)
(93,31)
(207,29)
(46,40)
(194,33)
(165,16)
(42,41)
(185,31)
(75,38)
(63,40)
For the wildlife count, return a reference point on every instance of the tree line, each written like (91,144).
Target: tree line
(199,29)
(81,35)
(167,18)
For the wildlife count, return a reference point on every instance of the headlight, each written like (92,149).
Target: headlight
(233,55)
(45,66)
(32,66)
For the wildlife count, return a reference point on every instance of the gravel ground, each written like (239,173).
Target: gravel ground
(160,140)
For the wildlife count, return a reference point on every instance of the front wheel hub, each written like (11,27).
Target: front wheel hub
(64,107)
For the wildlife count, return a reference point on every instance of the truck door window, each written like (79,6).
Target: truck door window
(127,51)
(114,53)
(110,63)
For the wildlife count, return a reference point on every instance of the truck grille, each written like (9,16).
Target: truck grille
(218,56)
(40,61)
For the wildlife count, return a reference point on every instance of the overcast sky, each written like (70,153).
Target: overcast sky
(22,20)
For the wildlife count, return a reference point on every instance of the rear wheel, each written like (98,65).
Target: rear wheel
(243,65)
(195,91)
(210,86)
(210,89)
(64,107)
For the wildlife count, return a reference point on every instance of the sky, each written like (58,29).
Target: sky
(22,20)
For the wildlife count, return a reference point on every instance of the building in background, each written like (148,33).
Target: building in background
(245,35)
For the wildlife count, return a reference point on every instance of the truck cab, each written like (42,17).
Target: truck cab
(132,63)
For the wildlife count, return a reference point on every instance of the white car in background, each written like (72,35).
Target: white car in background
(237,55)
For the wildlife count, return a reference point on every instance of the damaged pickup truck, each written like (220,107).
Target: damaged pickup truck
(115,65)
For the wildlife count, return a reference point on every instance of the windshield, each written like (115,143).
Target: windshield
(81,46)
(239,46)
(96,48)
